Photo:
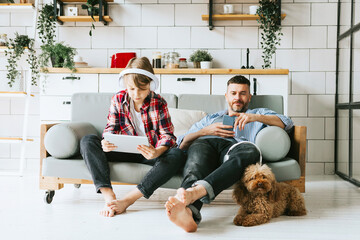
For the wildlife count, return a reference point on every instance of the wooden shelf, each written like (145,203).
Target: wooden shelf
(82,18)
(14,94)
(14,140)
(177,71)
(233,17)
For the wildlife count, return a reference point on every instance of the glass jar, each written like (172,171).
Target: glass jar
(172,60)
(183,63)
(3,39)
(156,61)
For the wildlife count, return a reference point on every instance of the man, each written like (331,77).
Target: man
(216,160)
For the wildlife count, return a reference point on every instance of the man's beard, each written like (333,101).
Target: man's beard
(243,109)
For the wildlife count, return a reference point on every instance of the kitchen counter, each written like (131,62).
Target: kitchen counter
(178,71)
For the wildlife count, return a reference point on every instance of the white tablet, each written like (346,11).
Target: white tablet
(126,143)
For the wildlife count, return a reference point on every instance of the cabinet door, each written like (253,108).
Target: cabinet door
(67,84)
(55,108)
(185,84)
(271,85)
(110,83)
(219,83)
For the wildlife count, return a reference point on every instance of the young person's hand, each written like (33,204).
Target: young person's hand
(218,129)
(149,152)
(107,146)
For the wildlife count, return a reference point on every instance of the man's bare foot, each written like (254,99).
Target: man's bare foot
(119,206)
(190,195)
(109,196)
(179,214)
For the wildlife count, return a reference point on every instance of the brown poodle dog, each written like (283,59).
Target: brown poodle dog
(261,198)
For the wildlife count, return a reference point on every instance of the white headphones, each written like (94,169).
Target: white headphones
(154,84)
(226,157)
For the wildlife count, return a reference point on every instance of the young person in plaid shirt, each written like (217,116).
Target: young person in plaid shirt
(137,110)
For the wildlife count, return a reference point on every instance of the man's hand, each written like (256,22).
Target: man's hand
(218,129)
(149,152)
(244,118)
(107,146)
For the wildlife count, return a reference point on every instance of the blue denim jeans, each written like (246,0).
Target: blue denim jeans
(205,165)
(164,167)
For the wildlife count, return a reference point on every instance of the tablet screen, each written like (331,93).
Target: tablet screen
(126,143)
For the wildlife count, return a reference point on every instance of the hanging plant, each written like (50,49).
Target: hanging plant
(15,49)
(46,25)
(92,11)
(270,18)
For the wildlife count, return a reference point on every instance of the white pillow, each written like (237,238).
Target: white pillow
(183,119)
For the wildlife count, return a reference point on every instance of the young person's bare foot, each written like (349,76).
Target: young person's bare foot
(179,214)
(119,206)
(109,196)
(190,195)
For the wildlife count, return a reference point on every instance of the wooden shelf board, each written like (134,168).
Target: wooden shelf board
(14,94)
(177,71)
(14,139)
(82,18)
(16,4)
(80,1)
(232,17)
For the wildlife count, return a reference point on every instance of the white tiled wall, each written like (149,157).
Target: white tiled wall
(307,49)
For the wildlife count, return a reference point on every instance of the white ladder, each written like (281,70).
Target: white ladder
(21,140)
(27,95)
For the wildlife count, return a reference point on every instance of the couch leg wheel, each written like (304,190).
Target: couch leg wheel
(49,195)
(77,185)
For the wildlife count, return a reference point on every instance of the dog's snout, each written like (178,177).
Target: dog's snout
(260,184)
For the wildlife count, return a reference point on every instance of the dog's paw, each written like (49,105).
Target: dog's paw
(238,220)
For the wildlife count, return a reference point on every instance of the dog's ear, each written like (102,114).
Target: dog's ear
(240,193)
(273,194)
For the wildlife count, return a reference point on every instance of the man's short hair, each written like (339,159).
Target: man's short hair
(239,79)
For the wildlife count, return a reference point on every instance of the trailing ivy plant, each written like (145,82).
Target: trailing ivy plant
(46,25)
(15,49)
(92,11)
(270,18)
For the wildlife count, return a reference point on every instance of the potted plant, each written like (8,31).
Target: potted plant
(60,55)
(92,11)
(15,49)
(270,18)
(201,58)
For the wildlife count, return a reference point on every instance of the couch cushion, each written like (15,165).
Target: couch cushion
(62,140)
(286,169)
(183,119)
(273,142)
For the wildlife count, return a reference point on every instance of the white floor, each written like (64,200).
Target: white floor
(333,213)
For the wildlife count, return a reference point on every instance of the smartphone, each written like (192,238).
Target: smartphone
(229,121)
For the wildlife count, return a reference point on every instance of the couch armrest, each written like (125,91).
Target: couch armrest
(298,146)
(43,153)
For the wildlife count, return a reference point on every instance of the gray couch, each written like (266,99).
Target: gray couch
(92,109)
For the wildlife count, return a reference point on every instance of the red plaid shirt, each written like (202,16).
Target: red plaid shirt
(155,116)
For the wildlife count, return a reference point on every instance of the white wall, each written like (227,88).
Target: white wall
(307,49)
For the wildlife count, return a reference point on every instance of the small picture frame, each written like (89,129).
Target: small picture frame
(72,11)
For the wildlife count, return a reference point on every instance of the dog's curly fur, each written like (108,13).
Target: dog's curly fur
(261,198)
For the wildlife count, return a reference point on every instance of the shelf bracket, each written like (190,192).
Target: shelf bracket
(278,2)
(61,10)
(211,26)
(101,15)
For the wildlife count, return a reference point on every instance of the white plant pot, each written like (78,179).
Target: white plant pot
(205,64)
